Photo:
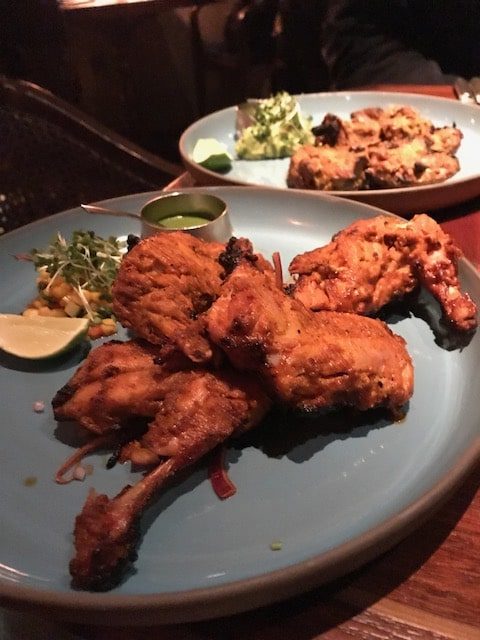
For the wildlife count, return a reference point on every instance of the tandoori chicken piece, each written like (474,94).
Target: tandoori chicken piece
(392,165)
(310,361)
(117,381)
(377,148)
(327,169)
(395,124)
(167,281)
(380,259)
(164,283)
(201,410)
(398,123)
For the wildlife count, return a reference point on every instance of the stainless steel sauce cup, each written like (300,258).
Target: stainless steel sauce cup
(202,215)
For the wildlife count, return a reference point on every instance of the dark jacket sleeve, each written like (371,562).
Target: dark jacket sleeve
(366,42)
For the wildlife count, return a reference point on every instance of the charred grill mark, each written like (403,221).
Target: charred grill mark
(237,326)
(418,169)
(63,395)
(113,459)
(254,353)
(360,165)
(111,370)
(132,241)
(328,130)
(202,304)
(235,251)
(372,181)
(134,429)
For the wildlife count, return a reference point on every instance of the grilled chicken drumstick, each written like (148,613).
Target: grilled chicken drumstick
(201,410)
(374,261)
(308,360)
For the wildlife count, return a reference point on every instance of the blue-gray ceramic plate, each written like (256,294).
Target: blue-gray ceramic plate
(335,494)
(272,173)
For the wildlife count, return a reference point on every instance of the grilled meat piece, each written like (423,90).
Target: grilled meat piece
(326,168)
(236,251)
(374,261)
(399,124)
(117,381)
(375,149)
(167,281)
(361,131)
(164,283)
(200,411)
(310,361)
(393,165)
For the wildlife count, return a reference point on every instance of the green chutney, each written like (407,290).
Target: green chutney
(185,220)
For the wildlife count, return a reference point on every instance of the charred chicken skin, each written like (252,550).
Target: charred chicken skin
(374,261)
(201,410)
(310,361)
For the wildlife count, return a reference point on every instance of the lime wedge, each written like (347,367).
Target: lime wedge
(39,337)
(212,154)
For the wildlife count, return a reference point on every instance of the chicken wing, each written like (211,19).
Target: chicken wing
(310,361)
(374,261)
(201,410)
(117,381)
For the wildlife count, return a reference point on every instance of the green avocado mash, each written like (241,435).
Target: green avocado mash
(278,128)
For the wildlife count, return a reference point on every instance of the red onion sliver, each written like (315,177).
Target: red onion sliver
(221,483)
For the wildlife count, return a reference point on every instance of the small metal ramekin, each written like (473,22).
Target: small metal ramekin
(217,225)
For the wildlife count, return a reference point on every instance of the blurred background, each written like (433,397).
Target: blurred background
(149,68)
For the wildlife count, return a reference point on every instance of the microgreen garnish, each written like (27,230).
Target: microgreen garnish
(86,262)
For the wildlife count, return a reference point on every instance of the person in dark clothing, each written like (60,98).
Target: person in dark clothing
(366,42)
(301,67)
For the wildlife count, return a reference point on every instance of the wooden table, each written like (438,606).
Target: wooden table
(427,587)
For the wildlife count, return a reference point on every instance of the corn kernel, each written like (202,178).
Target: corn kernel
(95,331)
(59,290)
(91,296)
